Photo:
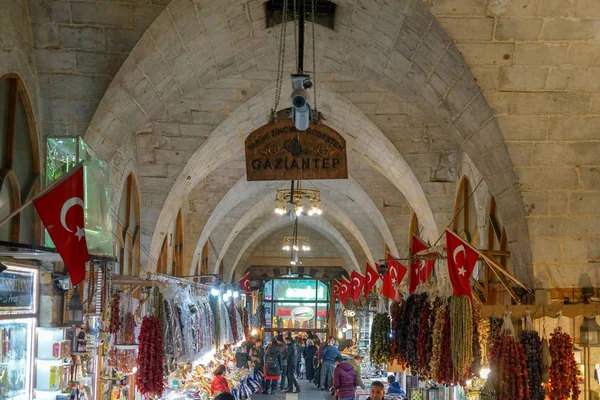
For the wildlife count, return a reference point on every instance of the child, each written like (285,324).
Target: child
(377,391)
(219,384)
(394,387)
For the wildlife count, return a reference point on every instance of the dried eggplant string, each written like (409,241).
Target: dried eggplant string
(461,322)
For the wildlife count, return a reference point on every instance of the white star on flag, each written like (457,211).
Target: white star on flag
(80,233)
(462,271)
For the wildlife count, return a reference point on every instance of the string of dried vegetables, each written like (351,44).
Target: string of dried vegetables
(475,366)
(461,323)
(396,312)
(532,345)
(446,374)
(380,341)
(424,341)
(484,336)
(402,329)
(563,370)
(411,357)
(232,316)
(149,378)
(115,321)
(436,351)
(508,364)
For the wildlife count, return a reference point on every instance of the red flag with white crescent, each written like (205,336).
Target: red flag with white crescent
(419,269)
(61,211)
(396,273)
(244,283)
(336,289)
(358,282)
(461,261)
(371,278)
(345,290)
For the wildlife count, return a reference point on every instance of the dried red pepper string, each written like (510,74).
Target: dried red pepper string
(149,378)
(115,322)
(564,369)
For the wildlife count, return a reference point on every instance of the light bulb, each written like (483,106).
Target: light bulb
(299,210)
(295,247)
(319,211)
(293,262)
(253,332)
(340,335)
(307,248)
(349,326)
(236,294)
(215,291)
(229,292)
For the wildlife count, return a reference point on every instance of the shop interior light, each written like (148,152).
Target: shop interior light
(214,291)
(280,208)
(484,373)
(254,332)
(588,332)
(340,335)
(236,294)
(229,292)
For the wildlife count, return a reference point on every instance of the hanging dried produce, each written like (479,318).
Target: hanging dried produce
(411,356)
(401,337)
(564,370)
(446,374)
(380,340)
(234,327)
(115,322)
(533,350)
(508,364)
(424,341)
(245,322)
(436,351)
(495,326)
(488,392)
(484,336)
(546,360)
(461,323)
(396,311)
(475,367)
(149,379)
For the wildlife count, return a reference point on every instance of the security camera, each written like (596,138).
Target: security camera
(301,112)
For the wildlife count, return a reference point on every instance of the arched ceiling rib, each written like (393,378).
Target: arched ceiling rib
(275,223)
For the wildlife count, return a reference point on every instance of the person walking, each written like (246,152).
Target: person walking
(284,366)
(345,380)
(300,346)
(272,367)
(309,355)
(355,362)
(328,356)
(257,356)
(291,366)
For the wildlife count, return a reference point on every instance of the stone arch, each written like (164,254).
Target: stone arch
(265,205)
(233,198)
(274,223)
(399,45)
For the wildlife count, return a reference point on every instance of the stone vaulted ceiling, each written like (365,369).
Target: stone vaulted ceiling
(422,91)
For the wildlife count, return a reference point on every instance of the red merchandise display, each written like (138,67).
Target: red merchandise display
(150,357)
(115,322)
(563,370)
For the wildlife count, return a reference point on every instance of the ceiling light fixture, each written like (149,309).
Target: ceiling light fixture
(298,201)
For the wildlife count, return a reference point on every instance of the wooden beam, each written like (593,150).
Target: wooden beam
(540,311)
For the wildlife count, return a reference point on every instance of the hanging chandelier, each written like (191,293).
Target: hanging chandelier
(296,243)
(297,201)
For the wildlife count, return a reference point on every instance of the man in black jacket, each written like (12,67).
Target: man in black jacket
(291,365)
(283,350)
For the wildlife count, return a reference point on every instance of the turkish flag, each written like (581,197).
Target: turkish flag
(372,276)
(461,261)
(396,273)
(345,290)
(336,289)
(244,283)
(419,269)
(358,282)
(61,211)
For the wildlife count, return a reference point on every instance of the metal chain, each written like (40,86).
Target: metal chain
(280,62)
(296,50)
(314,51)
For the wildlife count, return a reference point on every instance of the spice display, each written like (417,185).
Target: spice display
(424,341)
(461,323)
(149,378)
(380,340)
(115,321)
(440,309)
(563,370)
(475,367)
(533,351)
(508,364)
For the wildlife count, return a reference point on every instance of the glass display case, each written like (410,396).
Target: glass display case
(18,308)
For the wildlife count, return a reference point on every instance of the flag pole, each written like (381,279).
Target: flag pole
(491,262)
(42,193)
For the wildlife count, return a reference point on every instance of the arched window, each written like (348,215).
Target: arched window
(413,230)
(465,214)
(161,266)
(19,159)
(128,228)
(178,247)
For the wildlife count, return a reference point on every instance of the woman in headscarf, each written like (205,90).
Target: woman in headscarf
(309,355)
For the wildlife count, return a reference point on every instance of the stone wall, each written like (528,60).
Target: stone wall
(320,246)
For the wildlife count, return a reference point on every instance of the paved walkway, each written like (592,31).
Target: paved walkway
(308,391)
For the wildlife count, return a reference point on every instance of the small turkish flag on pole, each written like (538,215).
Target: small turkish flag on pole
(336,289)
(396,273)
(61,211)
(345,289)
(461,261)
(358,282)
(244,283)
(419,269)
(371,278)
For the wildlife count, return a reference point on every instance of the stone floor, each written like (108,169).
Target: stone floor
(308,391)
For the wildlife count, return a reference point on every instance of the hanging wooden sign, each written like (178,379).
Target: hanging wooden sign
(279,152)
